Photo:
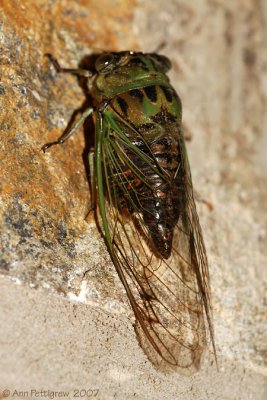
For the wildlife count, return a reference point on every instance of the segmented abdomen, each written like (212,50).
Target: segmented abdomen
(153,113)
(161,205)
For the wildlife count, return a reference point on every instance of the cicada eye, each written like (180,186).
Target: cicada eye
(105,62)
(161,62)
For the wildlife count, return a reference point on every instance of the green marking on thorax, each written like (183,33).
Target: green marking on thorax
(128,78)
(150,108)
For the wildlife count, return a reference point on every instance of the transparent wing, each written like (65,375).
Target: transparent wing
(170,298)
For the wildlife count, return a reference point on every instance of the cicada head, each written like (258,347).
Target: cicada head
(108,62)
(120,71)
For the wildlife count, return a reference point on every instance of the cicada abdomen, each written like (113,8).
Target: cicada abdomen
(146,202)
(155,112)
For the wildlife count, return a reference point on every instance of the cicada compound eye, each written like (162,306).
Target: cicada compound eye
(105,63)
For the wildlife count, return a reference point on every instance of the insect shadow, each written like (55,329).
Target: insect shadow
(86,64)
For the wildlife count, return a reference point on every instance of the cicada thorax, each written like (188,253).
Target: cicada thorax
(153,113)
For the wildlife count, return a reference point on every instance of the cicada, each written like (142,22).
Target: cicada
(146,202)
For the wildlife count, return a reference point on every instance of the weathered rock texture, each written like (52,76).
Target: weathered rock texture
(64,321)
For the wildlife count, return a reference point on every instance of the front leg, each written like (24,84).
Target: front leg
(76,71)
(70,132)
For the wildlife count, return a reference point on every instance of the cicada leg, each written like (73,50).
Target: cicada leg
(70,132)
(85,114)
(76,71)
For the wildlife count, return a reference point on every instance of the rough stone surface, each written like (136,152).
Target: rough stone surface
(64,321)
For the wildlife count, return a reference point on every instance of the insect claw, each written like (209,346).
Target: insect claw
(53,61)
(48,145)
(44,148)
